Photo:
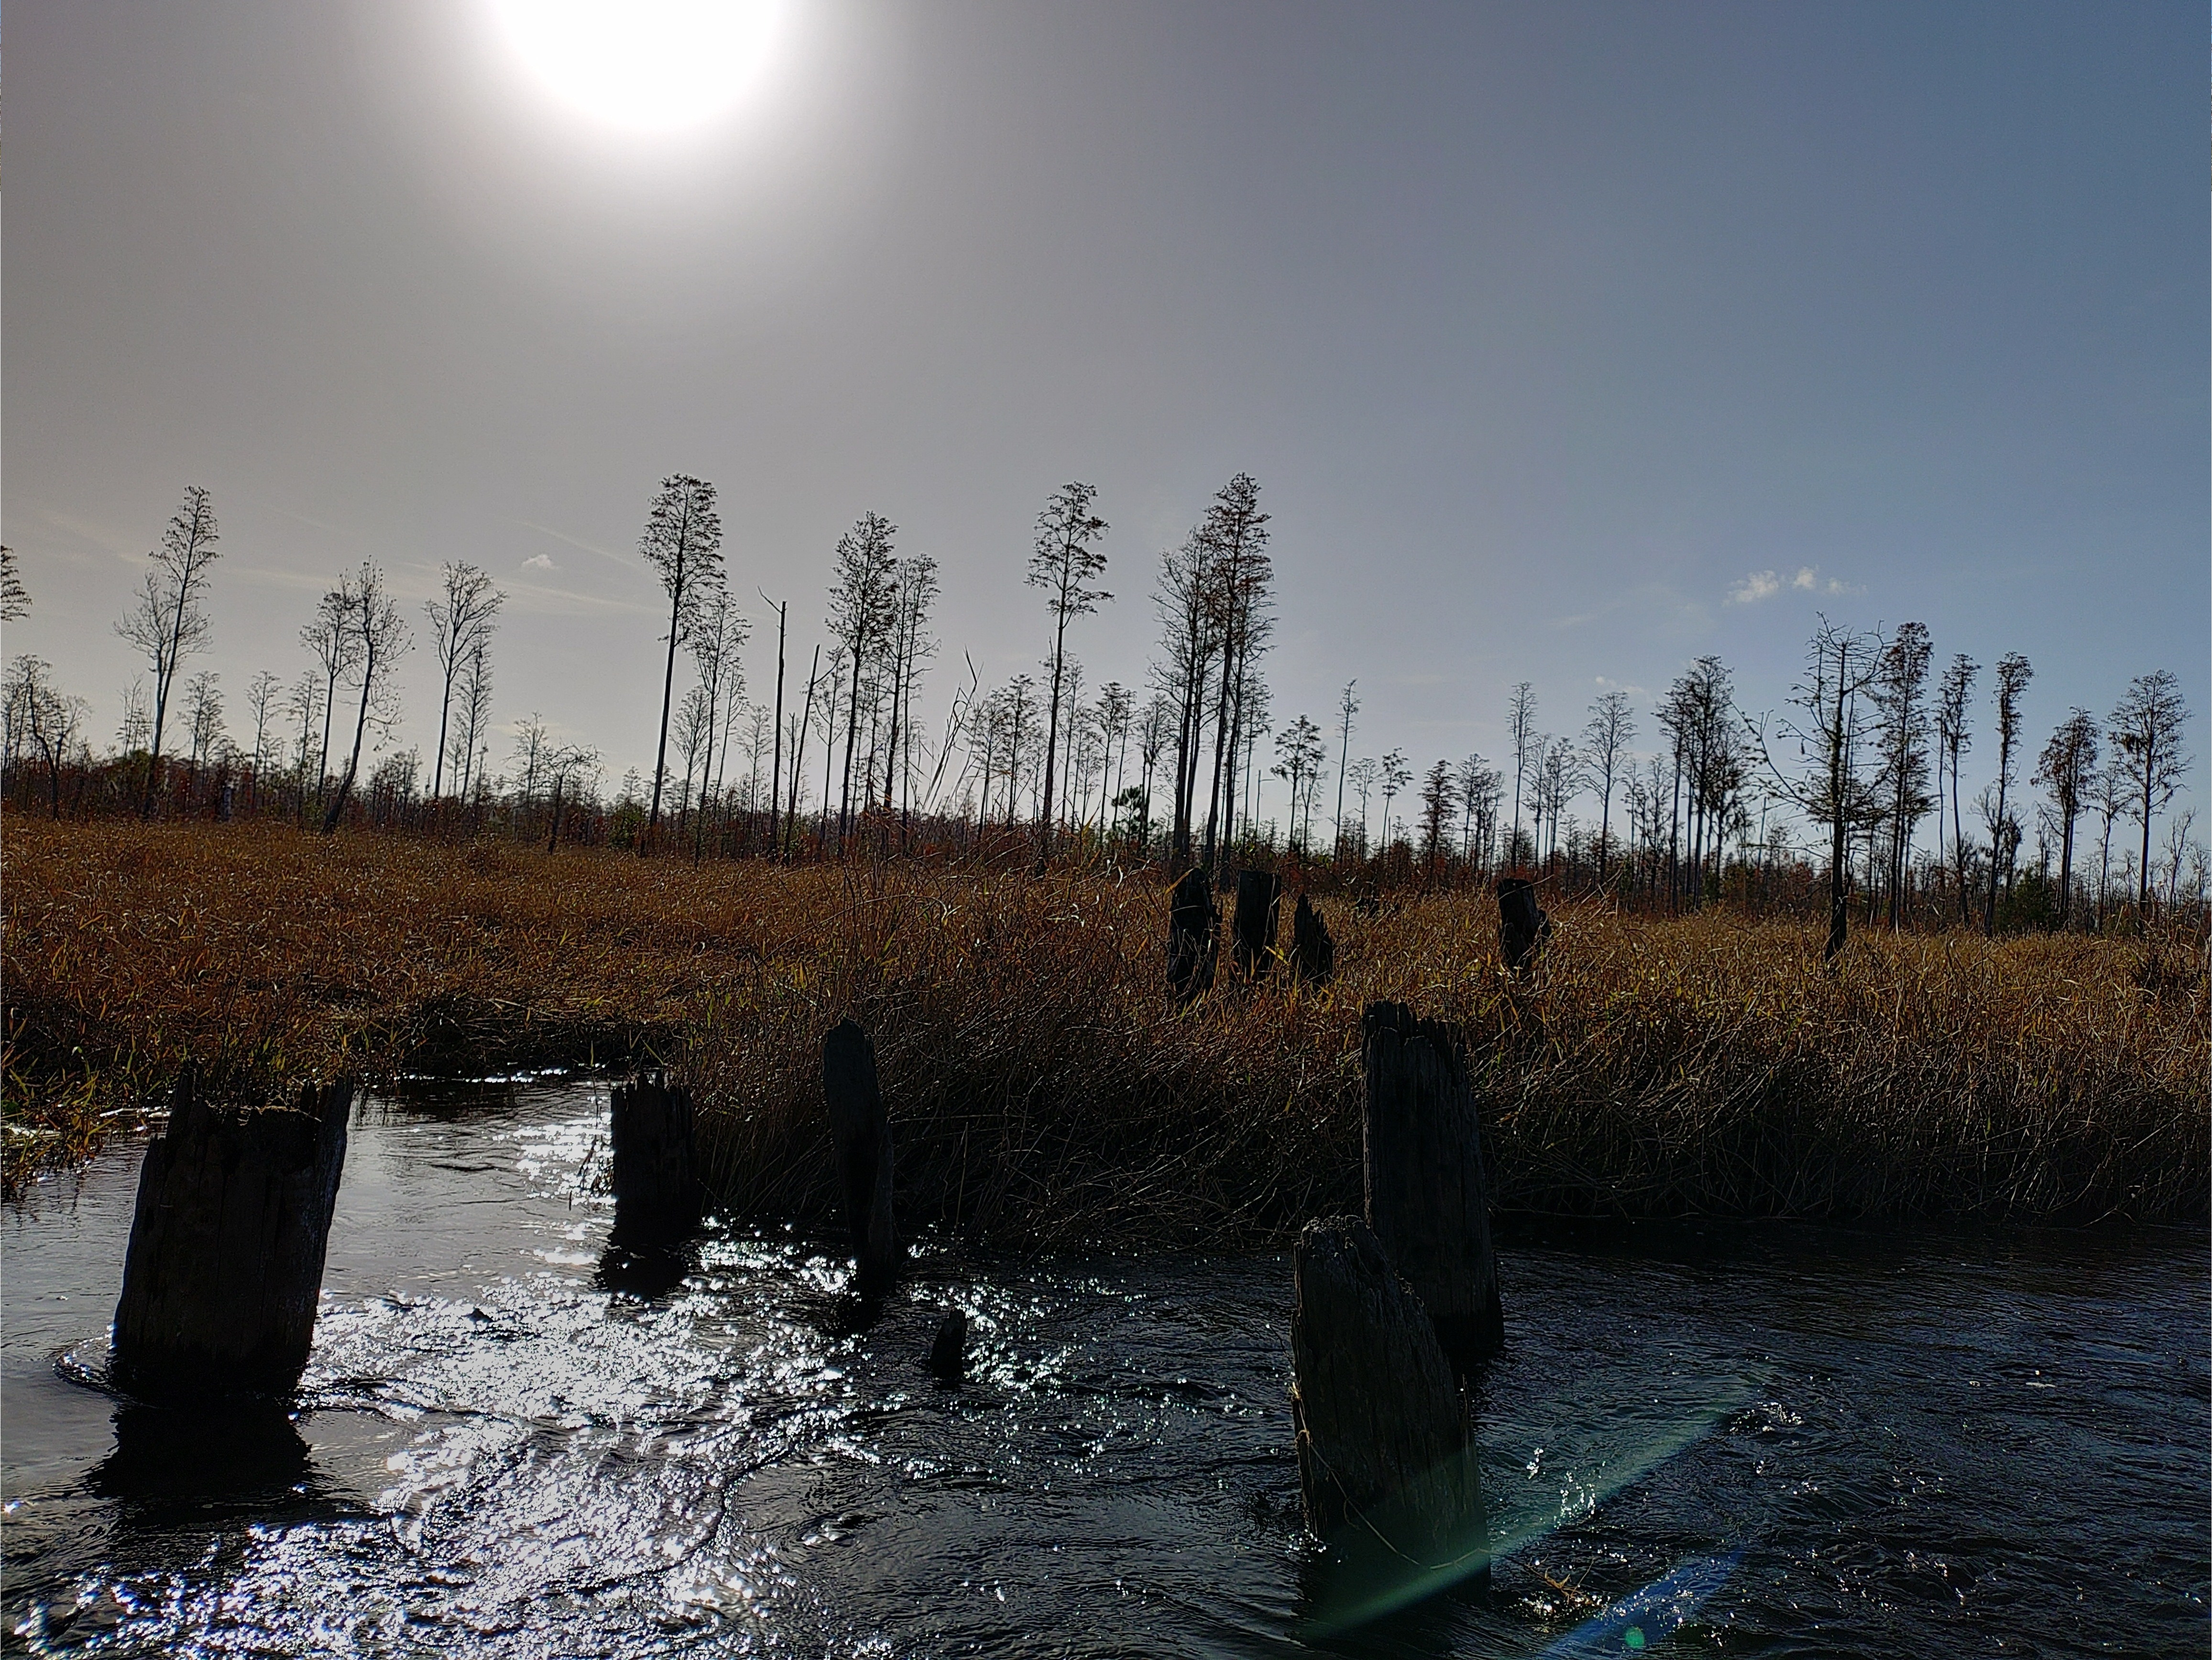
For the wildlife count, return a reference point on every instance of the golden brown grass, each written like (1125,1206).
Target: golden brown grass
(1041,1087)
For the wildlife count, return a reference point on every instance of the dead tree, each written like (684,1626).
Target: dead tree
(1522,923)
(860,1134)
(1427,1198)
(1385,1438)
(1259,906)
(225,1265)
(1191,921)
(656,1164)
(1313,953)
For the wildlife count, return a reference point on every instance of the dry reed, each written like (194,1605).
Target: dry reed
(1041,1089)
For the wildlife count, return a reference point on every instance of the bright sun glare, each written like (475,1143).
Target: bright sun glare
(646,65)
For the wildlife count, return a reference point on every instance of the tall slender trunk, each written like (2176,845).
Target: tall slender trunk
(667,695)
(775,767)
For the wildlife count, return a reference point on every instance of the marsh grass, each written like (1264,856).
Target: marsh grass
(1042,1090)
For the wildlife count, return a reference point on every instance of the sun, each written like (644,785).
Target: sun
(643,65)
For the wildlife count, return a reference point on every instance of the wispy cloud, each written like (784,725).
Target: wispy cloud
(1760,585)
(1766,584)
(564,536)
(539,561)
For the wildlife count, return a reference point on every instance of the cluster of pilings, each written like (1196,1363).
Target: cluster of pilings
(1395,1310)
(1394,1314)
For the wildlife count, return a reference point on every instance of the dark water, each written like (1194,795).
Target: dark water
(1852,1443)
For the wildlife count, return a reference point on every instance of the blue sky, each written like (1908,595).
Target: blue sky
(1567,341)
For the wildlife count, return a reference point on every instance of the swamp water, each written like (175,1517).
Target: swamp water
(1866,1442)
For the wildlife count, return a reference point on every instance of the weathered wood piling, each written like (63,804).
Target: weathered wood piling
(1313,952)
(1427,1198)
(658,1195)
(1193,921)
(948,1353)
(225,1264)
(860,1135)
(1522,924)
(1385,1437)
(1259,908)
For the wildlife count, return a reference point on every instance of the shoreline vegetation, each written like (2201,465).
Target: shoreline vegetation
(1043,1091)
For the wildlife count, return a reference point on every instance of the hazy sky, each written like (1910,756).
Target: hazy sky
(1547,329)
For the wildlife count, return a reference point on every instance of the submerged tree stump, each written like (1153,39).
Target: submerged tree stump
(1259,905)
(1191,921)
(1427,1198)
(860,1134)
(225,1264)
(1522,924)
(1385,1440)
(658,1197)
(1313,953)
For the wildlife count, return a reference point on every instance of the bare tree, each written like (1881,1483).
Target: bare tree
(1611,730)
(166,622)
(332,637)
(1347,705)
(1364,774)
(461,620)
(1952,737)
(1065,561)
(2013,676)
(472,695)
(1840,665)
(1300,753)
(1899,695)
(718,635)
(682,542)
(203,716)
(1521,729)
(2068,770)
(40,716)
(260,698)
(1396,775)
(863,607)
(380,639)
(2145,729)
(1235,534)
(15,599)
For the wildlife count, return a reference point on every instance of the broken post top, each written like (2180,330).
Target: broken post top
(1425,1188)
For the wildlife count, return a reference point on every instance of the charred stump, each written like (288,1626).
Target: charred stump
(1191,922)
(1259,905)
(1427,1198)
(1522,924)
(1313,953)
(656,1164)
(1385,1438)
(225,1265)
(860,1134)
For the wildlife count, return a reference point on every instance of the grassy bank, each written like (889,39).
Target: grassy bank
(1041,1088)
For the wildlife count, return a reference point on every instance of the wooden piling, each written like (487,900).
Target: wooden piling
(948,1353)
(1522,924)
(1427,1198)
(658,1197)
(1313,952)
(1385,1437)
(860,1134)
(1259,906)
(225,1264)
(1192,924)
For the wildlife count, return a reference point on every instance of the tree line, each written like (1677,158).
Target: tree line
(1872,746)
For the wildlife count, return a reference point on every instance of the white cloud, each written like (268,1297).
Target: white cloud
(539,561)
(1766,584)
(1758,586)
